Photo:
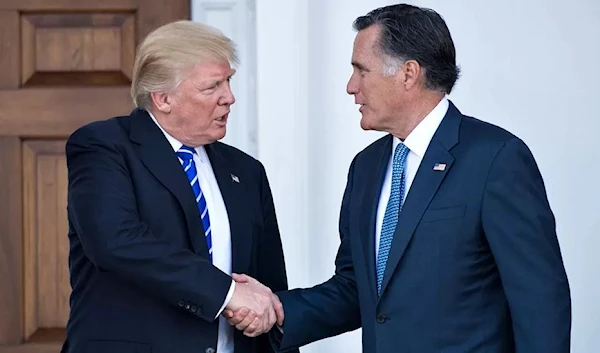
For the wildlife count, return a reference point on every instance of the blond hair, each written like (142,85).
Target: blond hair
(164,55)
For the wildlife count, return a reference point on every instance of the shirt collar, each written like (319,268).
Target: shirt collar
(418,140)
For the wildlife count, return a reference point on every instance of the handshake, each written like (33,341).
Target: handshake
(253,308)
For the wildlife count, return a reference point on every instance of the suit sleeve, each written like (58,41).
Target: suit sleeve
(271,263)
(328,309)
(103,210)
(520,229)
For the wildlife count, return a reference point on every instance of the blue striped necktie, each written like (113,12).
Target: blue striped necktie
(186,157)
(392,211)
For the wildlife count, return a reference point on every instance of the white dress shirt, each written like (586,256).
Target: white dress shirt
(220,232)
(417,142)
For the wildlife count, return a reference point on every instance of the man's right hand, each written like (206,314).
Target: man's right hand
(254,302)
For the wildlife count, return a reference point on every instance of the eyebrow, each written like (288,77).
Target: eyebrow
(359,66)
(214,81)
(226,78)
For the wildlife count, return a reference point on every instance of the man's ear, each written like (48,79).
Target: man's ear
(162,101)
(411,71)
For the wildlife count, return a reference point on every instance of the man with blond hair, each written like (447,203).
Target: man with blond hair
(160,213)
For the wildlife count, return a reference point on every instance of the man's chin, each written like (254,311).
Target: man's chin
(220,133)
(370,126)
(366,125)
(216,137)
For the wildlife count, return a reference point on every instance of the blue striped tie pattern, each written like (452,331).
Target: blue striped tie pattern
(186,157)
(392,211)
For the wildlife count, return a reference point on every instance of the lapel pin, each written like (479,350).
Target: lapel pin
(440,167)
(235,178)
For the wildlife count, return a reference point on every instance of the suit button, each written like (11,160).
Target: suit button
(381,318)
(181,303)
(193,308)
(187,307)
(210,350)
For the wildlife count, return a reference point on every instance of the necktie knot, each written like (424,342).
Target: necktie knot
(186,153)
(400,153)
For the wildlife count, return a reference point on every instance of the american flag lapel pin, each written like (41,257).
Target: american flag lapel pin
(439,167)
(235,178)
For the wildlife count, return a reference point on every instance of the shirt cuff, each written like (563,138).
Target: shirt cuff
(228,298)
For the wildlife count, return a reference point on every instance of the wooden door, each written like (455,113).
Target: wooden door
(63,63)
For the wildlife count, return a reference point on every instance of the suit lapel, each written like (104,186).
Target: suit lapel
(424,186)
(231,186)
(369,207)
(158,156)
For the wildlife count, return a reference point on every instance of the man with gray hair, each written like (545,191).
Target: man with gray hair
(448,242)
(161,213)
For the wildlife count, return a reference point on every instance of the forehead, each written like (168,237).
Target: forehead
(211,70)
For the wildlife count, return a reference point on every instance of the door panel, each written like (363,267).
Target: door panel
(63,63)
(77,49)
(46,247)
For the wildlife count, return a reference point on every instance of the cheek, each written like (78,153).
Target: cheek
(208,104)
(370,90)
(372,96)
(202,109)
(379,95)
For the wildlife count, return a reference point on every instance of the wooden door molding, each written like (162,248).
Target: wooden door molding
(11,251)
(63,63)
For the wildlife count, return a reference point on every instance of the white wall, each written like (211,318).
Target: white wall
(528,65)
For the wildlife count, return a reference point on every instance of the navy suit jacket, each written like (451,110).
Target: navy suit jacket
(475,264)
(140,271)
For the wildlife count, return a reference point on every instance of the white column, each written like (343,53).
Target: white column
(282,64)
(308,131)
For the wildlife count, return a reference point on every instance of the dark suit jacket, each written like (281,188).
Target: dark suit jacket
(474,267)
(140,271)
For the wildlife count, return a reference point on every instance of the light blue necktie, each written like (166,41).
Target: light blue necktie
(186,157)
(392,211)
